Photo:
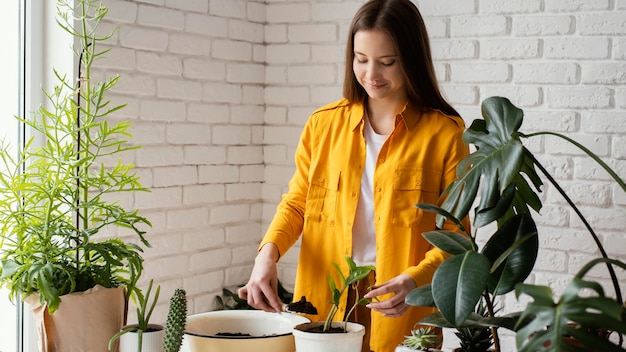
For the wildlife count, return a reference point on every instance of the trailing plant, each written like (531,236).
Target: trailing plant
(144,308)
(502,174)
(422,338)
(56,197)
(175,322)
(355,274)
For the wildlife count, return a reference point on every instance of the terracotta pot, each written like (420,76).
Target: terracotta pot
(240,330)
(350,341)
(151,340)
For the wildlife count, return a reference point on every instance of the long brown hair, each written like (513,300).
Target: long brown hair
(404,23)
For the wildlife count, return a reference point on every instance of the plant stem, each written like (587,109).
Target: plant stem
(618,291)
(494,329)
(329,318)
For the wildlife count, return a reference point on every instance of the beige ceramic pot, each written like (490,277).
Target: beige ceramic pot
(240,330)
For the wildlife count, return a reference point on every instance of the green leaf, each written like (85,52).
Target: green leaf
(513,251)
(502,206)
(421,296)
(458,284)
(574,315)
(449,242)
(9,268)
(497,163)
(436,319)
(441,213)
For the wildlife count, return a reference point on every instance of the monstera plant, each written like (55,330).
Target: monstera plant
(499,183)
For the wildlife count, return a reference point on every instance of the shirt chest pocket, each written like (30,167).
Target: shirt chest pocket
(412,186)
(321,201)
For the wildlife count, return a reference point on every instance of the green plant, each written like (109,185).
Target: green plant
(355,274)
(175,322)
(502,174)
(55,198)
(422,338)
(583,312)
(475,338)
(144,312)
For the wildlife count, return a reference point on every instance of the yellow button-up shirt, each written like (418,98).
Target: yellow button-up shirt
(415,165)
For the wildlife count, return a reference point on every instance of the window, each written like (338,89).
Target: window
(11,22)
(35,44)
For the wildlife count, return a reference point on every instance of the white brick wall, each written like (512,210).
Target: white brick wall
(220,89)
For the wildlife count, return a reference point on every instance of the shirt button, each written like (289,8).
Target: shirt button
(378,218)
(354,194)
(378,189)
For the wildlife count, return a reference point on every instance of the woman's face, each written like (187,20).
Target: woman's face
(377,66)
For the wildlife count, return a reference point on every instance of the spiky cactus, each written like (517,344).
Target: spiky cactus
(422,339)
(175,322)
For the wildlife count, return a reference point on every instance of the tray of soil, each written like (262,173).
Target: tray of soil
(240,330)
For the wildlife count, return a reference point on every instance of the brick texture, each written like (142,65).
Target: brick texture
(220,90)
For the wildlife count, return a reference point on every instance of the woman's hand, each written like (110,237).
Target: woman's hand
(395,306)
(261,291)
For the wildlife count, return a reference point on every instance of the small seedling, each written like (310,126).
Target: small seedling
(355,274)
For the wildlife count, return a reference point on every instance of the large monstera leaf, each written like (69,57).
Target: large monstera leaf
(496,168)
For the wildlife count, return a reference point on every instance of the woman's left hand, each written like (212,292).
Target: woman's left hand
(395,306)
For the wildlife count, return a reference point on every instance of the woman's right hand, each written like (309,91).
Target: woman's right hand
(261,291)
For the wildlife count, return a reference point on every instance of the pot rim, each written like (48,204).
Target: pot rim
(294,319)
(235,337)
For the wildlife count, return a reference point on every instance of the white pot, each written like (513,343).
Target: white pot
(351,341)
(151,341)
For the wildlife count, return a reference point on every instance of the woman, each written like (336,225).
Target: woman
(362,163)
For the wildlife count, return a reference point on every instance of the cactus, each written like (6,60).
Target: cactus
(175,322)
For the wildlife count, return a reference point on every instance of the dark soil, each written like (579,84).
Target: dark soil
(319,329)
(302,306)
(231,334)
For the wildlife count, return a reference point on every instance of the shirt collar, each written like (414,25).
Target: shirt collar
(409,115)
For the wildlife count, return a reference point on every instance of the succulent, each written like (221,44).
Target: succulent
(422,339)
(175,322)
(474,339)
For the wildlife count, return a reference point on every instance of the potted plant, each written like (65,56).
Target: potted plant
(504,172)
(475,338)
(331,335)
(132,336)
(57,197)
(149,337)
(175,321)
(421,339)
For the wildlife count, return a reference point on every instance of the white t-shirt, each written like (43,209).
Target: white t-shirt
(363,232)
